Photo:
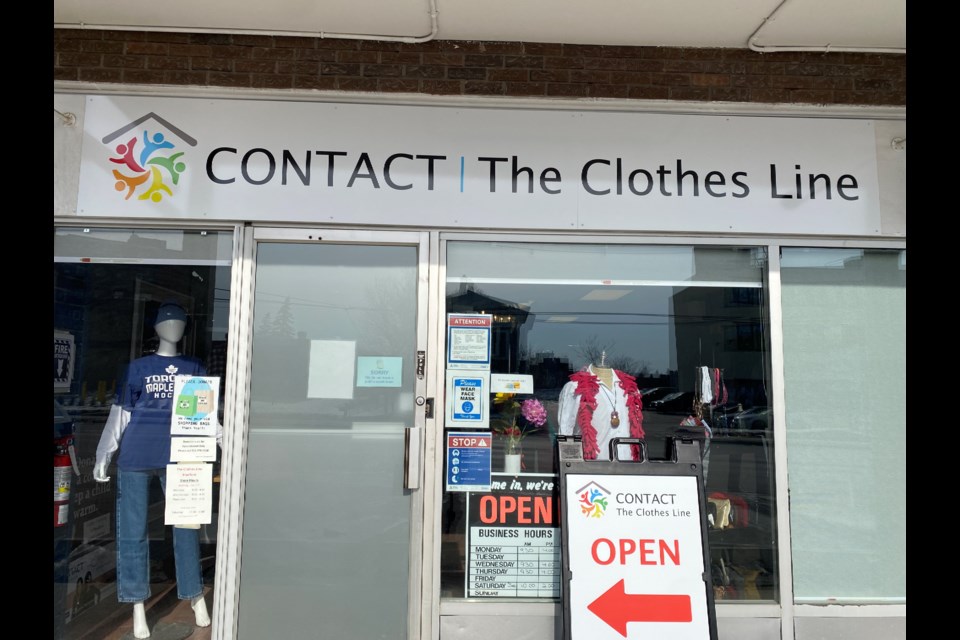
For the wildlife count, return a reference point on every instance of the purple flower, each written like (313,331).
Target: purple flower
(533,412)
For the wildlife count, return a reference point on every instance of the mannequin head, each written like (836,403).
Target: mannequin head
(170,325)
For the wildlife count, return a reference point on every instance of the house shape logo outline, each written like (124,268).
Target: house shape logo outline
(133,183)
(590,506)
(180,133)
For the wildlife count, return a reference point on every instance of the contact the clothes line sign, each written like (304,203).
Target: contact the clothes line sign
(635,555)
(499,168)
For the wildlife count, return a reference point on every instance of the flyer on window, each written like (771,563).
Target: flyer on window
(195,405)
(189,493)
(186,449)
(468,340)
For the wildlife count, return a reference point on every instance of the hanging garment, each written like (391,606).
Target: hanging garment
(586,409)
(706,386)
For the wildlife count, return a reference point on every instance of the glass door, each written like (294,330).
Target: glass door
(331,521)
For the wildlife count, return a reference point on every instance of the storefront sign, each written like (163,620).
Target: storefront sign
(189,494)
(636,556)
(514,539)
(468,461)
(379,371)
(511,383)
(475,167)
(195,405)
(64,355)
(183,449)
(468,340)
(468,399)
(330,373)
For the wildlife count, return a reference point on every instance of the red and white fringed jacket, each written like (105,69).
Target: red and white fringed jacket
(586,390)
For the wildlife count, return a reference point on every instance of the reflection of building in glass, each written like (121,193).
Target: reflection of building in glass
(719,327)
(549,372)
(511,323)
(723,325)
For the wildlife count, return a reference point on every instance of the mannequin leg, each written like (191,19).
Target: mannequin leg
(140,628)
(133,545)
(186,553)
(199,606)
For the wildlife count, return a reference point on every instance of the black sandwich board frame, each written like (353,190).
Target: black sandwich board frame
(686,460)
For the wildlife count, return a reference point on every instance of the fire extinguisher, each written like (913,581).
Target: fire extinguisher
(64,467)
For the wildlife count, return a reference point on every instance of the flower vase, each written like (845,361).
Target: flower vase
(511,462)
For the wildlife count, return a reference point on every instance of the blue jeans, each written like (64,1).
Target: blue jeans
(133,543)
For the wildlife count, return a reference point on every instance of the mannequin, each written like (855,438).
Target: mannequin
(605,374)
(600,404)
(139,427)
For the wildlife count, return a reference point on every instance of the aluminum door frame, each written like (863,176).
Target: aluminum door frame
(237,424)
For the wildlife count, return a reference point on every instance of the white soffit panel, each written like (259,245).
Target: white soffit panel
(813,24)
(850,24)
(384,17)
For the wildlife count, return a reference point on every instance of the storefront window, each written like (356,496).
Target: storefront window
(110,288)
(844,336)
(688,325)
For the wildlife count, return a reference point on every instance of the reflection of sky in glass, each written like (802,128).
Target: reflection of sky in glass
(143,245)
(616,297)
(570,261)
(335,291)
(637,325)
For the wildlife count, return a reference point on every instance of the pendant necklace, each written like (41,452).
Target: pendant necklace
(614,416)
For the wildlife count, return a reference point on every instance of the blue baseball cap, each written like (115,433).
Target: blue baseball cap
(170,311)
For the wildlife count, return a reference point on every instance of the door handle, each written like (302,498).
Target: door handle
(411,457)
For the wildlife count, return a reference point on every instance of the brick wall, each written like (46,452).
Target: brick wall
(479,68)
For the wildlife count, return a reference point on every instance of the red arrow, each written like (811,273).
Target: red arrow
(616,607)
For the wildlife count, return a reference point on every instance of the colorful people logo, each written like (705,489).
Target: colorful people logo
(593,501)
(149,172)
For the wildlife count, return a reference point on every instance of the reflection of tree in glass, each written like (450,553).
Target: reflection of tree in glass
(283,323)
(280,325)
(592,351)
(266,325)
(385,321)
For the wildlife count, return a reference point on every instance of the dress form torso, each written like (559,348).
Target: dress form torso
(609,417)
(604,374)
